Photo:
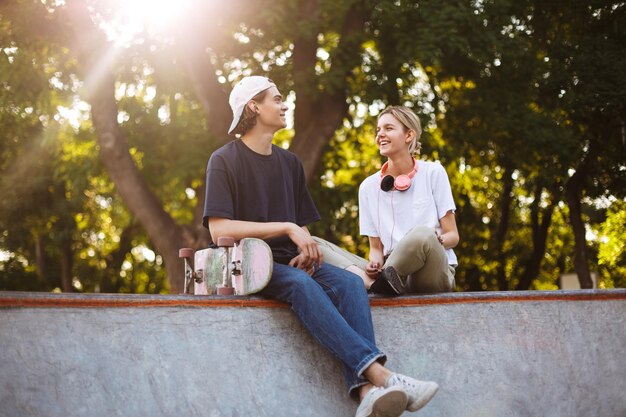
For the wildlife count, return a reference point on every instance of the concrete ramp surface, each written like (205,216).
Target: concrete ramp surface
(517,354)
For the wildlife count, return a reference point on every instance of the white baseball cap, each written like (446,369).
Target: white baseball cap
(243,92)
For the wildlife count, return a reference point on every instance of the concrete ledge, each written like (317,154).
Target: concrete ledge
(9,299)
(557,353)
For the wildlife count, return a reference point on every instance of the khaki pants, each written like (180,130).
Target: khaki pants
(419,258)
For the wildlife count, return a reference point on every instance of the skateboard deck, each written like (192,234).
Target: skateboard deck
(249,270)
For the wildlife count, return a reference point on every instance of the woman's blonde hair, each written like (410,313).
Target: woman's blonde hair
(410,121)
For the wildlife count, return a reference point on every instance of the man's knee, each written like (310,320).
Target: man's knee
(298,279)
(348,282)
(290,282)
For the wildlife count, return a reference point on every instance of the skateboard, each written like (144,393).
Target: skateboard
(233,268)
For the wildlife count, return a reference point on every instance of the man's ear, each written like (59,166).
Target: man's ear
(253,106)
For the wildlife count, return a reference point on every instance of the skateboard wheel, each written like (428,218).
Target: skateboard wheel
(185,253)
(225,242)
(225,291)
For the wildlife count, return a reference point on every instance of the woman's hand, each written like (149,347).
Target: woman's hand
(376,258)
(373,269)
(439,236)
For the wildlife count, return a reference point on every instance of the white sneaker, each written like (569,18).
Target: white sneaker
(383,402)
(419,392)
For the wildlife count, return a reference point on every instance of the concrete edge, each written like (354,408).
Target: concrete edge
(10,299)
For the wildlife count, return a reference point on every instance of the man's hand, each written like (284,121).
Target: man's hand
(298,262)
(310,252)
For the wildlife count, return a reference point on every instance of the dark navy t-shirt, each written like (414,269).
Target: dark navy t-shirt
(244,185)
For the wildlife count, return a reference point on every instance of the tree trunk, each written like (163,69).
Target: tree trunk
(67,264)
(165,234)
(218,115)
(319,114)
(40,258)
(503,226)
(208,90)
(472,279)
(540,236)
(573,195)
(313,135)
(390,65)
(115,259)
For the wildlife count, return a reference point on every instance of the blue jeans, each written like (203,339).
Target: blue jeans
(334,307)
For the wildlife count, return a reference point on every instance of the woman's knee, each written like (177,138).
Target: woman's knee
(334,255)
(421,234)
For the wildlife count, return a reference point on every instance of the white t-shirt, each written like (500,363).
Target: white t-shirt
(391,215)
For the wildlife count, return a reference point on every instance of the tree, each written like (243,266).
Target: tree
(521,101)
(589,67)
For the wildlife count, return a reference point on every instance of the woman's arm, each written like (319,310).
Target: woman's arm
(449,236)
(376,258)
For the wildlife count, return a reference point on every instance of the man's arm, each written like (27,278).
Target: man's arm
(237,229)
(220,227)
(307,264)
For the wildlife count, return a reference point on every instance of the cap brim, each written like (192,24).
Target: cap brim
(236,118)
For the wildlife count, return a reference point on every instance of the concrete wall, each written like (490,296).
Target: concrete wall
(557,354)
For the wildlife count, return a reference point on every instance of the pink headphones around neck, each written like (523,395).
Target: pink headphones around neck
(400,183)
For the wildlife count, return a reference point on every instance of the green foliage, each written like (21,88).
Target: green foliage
(353,155)
(612,250)
(513,95)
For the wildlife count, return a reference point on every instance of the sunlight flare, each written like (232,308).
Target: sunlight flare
(134,18)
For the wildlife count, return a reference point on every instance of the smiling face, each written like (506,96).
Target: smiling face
(392,137)
(271,110)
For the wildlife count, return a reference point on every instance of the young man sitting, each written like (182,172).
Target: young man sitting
(257,189)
